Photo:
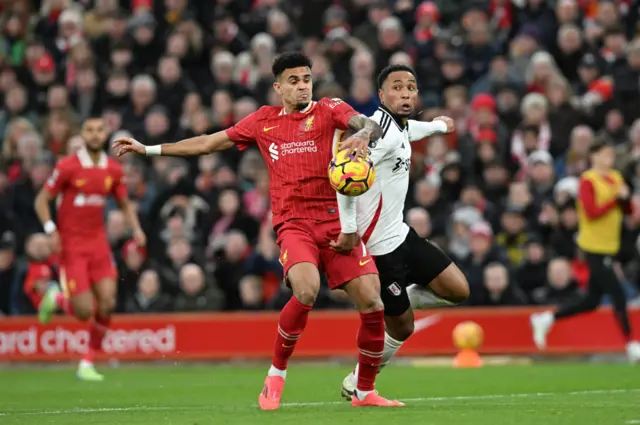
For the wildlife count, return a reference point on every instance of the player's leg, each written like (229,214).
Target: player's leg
(541,323)
(299,256)
(363,287)
(103,274)
(75,299)
(398,315)
(438,281)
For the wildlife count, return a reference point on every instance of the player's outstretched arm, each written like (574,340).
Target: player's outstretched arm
(199,145)
(418,130)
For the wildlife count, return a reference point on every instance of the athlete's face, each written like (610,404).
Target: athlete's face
(604,158)
(399,93)
(94,133)
(296,87)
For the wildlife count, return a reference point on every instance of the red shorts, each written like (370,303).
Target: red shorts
(80,270)
(307,241)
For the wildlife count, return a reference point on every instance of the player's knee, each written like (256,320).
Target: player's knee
(306,289)
(84,311)
(304,280)
(365,292)
(106,306)
(452,285)
(461,289)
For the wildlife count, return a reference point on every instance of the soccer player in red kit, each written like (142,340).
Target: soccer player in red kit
(297,141)
(82,182)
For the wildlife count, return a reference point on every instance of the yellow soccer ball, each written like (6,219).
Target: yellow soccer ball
(350,175)
(468,335)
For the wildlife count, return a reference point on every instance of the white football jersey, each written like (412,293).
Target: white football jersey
(380,210)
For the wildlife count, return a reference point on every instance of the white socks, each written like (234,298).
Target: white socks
(274,371)
(391,347)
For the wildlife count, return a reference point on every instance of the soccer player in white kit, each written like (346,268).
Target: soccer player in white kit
(404,259)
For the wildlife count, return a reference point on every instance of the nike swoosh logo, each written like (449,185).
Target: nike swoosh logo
(288,346)
(362,263)
(265,129)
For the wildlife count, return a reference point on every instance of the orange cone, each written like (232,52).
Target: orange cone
(467,358)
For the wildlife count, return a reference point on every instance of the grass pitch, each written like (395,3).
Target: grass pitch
(561,394)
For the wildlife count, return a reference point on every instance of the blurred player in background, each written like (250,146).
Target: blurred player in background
(82,182)
(603,199)
(402,257)
(297,141)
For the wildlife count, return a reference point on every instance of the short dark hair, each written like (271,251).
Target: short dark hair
(599,145)
(289,60)
(384,74)
(92,116)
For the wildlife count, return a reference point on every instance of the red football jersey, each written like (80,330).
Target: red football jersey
(82,188)
(297,148)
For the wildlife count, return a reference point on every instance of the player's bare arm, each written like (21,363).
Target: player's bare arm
(131,216)
(366,130)
(41,206)
(194,146)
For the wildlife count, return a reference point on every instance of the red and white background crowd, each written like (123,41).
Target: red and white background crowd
(530,84)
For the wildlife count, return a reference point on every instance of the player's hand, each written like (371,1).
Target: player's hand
(448,121)
(126,144)
(140,238)
(345,243)
(357,145)
(623,192)
(55,241)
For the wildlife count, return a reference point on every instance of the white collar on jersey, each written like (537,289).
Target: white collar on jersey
(86,162)
(304,111)
(394,117)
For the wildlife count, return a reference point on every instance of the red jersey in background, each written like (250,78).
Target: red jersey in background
(82,188)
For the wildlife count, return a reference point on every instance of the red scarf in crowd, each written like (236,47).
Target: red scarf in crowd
(501,13)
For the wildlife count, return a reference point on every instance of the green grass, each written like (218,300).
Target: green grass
(571,394)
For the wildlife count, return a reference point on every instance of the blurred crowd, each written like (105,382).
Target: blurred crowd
(530,84)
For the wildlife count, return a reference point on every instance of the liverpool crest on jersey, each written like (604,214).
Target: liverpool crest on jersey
(308,123)
(108,181)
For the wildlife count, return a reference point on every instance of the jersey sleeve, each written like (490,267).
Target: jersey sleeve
(418,130)
(243,133)
(339,111)
(58,179)
(119,189)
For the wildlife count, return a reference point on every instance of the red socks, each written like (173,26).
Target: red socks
(64,304)
(98,330)
(293,319)
(370,346)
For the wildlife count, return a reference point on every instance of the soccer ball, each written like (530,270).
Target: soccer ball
(351,175)
(468,335)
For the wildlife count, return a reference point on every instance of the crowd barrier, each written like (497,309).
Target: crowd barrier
(225,336)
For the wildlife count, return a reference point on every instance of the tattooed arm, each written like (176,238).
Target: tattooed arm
(362,131)
(360,123)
